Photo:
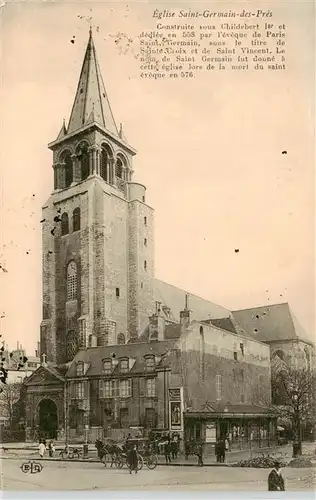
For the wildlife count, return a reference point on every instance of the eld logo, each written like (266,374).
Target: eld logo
(31,467)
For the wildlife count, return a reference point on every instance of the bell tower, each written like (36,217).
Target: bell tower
(97,230)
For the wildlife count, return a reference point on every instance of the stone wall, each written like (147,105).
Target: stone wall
(140,266)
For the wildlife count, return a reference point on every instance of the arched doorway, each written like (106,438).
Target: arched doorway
(48,419)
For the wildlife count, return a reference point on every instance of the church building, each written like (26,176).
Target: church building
(116,342)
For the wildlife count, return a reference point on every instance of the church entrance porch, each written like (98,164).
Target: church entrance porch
(47,419)
(44,404)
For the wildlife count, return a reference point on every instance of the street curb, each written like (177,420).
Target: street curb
(93,461)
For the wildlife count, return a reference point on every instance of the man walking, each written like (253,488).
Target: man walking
(133,459)
(199,452)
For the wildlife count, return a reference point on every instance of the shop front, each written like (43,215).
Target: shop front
(244,426)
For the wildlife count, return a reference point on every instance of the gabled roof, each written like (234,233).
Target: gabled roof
(269,323)
(93,356)
(91,99)
(44,372)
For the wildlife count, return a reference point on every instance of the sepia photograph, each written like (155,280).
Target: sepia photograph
(157,263)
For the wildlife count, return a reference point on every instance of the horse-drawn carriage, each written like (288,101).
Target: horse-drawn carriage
(119,452)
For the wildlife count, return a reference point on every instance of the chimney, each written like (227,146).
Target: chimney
(185,314)
(157,324)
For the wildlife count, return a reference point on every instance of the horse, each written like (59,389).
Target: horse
(111,449)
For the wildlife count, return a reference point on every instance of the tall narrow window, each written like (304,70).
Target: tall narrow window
(218,382)
(119,168)
(145,221)
(64,224)
(145,265)
(72,281)
(68,170)
(105,164)
(145,242)
(72,345)
(76,219)
(83,157)
(151,387)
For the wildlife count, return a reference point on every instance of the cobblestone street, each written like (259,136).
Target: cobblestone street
(93,476)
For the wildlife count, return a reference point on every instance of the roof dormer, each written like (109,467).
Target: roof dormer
(107,366)
(150,362)
(124,365)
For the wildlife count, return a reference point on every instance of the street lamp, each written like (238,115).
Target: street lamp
(297,444)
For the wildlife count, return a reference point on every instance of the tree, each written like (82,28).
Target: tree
(8,398)
(293,389)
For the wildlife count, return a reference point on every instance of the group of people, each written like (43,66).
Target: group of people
(43,447)
(171,449)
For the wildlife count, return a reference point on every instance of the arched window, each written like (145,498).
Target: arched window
(76,219)
(121,338)
(68,169)
(72,281)
(83,156)
(105,163)
(119,168)
(64,224)
(71,345)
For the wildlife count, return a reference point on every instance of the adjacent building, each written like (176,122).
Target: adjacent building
(120,348)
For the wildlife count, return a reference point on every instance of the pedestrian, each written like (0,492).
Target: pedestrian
(51,448)
(217,451)
(186,449)
(227,444)
(41,449)
(275,479)
(223,451)
(167,450)
(174,448)
(199,452)
(133,459)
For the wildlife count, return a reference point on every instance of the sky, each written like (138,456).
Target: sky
(209,152)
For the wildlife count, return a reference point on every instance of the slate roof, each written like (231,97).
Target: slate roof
(91,101)
(223,324)
(174,298)
(172,332)
(270,323)
(213,407)
(93,356)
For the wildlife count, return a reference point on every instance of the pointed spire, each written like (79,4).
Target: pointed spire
(63,131)
(91,99)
